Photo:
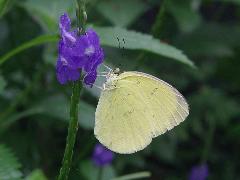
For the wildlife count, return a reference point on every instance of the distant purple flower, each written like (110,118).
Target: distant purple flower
(101,155)
(77,53)
(199,172)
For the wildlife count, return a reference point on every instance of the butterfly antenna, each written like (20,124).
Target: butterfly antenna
(118,42)
(123,42)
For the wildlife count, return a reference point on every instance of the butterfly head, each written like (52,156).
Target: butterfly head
(111,78)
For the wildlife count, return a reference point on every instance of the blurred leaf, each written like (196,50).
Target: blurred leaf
(137,160)
(211,39)
(212,103)
(4,6)
(48,12)
(234,131)
(187,18)
(90,171)
(17,116)
(2,84)
(138,175)
(9,165)
(36,175)
(34,42)
(136,40)
(232,1)
(121,13)
(57,107)
(164,148)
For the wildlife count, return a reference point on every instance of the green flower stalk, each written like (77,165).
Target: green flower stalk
(72,131)
(79,52)
(75,98)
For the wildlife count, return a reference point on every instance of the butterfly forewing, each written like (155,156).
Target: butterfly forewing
(139,108)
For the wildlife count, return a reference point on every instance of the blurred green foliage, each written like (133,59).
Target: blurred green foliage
(34,107)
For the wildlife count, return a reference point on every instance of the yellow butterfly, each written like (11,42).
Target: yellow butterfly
(135,107)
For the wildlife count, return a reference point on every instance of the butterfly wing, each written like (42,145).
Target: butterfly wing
(139,108)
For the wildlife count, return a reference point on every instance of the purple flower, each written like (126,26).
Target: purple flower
(199,172)
(101,155)
(77,53)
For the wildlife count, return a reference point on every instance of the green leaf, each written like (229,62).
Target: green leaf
(138,175)
(34,42)
(9,165)
(48,12)
(90,171)
(214,39)
(136,40)
(37,174)
(121,13)
(58,106)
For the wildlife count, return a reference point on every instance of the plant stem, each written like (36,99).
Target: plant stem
(75,98)
(81,16)
(72,131)
(100,172)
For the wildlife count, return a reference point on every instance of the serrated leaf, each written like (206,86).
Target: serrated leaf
(136,40)
(37,174)
(9,165)
(109,35)
(121,13)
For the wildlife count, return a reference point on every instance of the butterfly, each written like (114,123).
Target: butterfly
(135,107)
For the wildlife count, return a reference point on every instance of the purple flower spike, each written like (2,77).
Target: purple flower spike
(199,172)
(101,155)
(77,53)
(65,25)
(89,79)
(65,73)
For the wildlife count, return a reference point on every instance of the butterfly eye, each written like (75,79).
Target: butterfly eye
(116,71)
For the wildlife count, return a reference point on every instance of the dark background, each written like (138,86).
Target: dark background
(34,107)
